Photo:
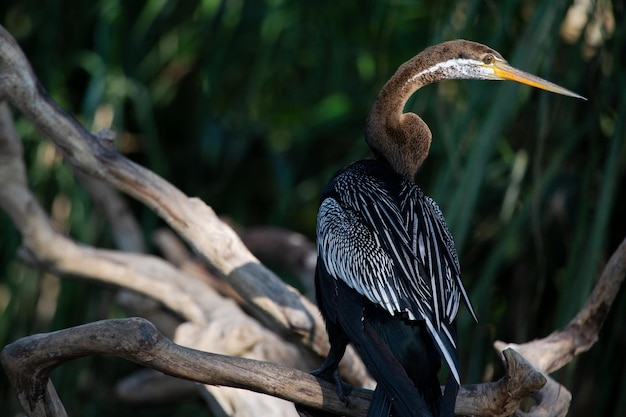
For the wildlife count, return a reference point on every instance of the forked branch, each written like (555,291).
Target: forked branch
(29,361)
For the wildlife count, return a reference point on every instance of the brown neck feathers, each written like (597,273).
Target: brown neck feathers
(402,139)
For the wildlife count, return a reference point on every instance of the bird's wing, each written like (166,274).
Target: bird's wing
(433,245)
(356,252)
(397,257)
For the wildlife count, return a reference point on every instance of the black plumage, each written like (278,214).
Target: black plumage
(389,242)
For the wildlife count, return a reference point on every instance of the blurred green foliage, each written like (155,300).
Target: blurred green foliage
(252,105)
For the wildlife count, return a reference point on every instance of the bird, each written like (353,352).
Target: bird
(388,279)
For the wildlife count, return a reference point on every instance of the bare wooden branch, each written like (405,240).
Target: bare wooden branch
(503,397)
(202,339)
(125,228)
(561,346)
(174,251)
(286,248)
(29,361)
(217,318)
(274,303)
(553,400)
(277,305)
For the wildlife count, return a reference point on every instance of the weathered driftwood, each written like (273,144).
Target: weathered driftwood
(561,346)
(184,290)
(30,360)
(275,304)
(189,298)
(219,319)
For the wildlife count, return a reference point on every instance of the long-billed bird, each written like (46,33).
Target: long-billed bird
(388,278)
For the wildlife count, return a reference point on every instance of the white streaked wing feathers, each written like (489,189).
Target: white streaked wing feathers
(399,257)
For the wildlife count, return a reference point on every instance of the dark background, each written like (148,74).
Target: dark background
(252,105)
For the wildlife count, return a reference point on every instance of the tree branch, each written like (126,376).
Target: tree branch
(29,361)
(286,248)
(561,346)
(275,304)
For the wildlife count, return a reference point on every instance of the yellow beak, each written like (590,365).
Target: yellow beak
(507,72)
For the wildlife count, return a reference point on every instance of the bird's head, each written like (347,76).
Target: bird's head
(461,59)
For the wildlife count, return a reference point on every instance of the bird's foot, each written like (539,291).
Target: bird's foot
(342,389)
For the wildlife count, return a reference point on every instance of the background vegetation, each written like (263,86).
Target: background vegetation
(252,105)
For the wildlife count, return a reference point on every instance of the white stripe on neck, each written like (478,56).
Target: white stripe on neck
(456,68)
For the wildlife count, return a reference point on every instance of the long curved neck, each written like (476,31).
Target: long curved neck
(402,139)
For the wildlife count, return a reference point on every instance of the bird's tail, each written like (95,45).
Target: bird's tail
(380,405)
(449,397)
(395,388)
(396,392)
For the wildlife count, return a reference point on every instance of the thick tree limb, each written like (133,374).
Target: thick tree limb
(29,361)
(286,248)
(218,319)
(150,276)
(277,305)
(561,346)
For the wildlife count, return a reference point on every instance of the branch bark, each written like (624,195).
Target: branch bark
(561,346)
(579,335)
(275,304)
(216,318)
(280,307)
(30,360)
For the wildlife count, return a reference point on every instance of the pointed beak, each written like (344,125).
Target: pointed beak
(504,71)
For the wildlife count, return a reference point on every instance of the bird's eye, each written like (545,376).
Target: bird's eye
(488,59)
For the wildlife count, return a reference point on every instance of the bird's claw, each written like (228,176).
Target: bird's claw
(342,389)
